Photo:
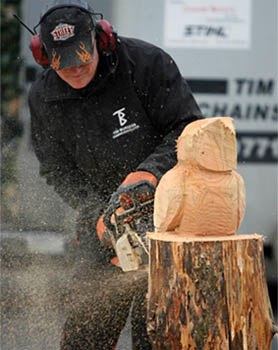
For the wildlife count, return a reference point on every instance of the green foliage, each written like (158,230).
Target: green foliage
(10,67)
(11,128)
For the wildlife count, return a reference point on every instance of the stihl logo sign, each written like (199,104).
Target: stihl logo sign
(121,116)
(205,31)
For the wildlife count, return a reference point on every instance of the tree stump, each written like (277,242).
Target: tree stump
(208,293)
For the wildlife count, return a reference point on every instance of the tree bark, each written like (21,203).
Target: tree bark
(208,293)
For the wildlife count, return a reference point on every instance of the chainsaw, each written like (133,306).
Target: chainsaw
(127,226)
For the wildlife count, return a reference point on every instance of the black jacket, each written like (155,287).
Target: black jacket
(126,119)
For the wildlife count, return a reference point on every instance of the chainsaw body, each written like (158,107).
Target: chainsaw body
(127,226)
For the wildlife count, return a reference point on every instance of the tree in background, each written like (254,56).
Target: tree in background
(11,127)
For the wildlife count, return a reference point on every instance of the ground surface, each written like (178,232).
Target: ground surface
(34,294)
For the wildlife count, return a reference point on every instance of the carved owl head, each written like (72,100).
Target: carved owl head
(209,143)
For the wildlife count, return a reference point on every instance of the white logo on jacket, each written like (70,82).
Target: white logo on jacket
(62,31)
(121,115)
(122,121)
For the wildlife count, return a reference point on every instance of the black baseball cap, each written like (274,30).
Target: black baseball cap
(67,34)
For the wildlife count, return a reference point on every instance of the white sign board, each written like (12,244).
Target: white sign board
(207,24)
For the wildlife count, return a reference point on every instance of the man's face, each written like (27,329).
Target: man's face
(80,76)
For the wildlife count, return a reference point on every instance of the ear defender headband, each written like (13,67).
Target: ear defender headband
(105,35)
(56,4)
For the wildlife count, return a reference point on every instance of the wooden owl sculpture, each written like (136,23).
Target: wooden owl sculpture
(202,195)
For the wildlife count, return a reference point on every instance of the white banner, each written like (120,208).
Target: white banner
(207,24)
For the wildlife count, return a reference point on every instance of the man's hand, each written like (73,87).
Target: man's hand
(103,233)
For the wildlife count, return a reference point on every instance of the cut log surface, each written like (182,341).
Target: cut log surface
(208,293)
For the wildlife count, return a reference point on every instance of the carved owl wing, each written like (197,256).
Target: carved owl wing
(169,199)
(241,198)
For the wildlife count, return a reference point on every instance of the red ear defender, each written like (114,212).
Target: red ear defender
(106,37)
(38,51)
(35,46)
